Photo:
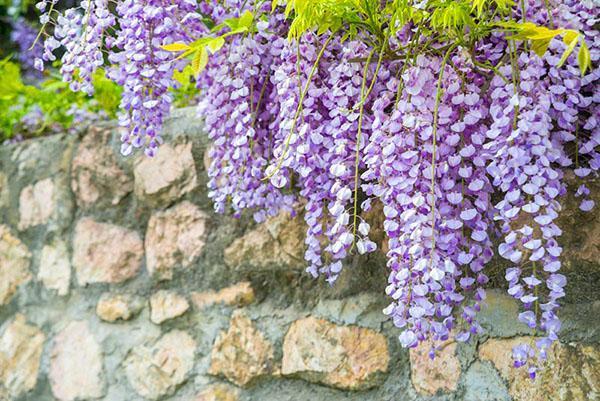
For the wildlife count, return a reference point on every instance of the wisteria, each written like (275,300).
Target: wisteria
(23,34)
(460,121)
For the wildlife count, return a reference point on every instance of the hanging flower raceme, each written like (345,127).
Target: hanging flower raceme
(325,105)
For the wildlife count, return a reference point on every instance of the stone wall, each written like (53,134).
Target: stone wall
(118,282)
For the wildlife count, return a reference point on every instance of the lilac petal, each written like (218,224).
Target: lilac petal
(528,318)
(468,214)
(587,205)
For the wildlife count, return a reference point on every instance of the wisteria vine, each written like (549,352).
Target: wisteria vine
(460,118)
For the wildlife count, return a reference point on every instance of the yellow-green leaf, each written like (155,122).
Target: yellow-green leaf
(215,44)
(583,58)
(545,33)
(570,36)
(183,76)
(246,19)
(175,47)
(478,5)
(274,5)
(567,52)
(199,61)
(540,46)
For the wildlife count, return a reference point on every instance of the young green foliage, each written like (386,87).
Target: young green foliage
(53,99)
(540,38)
(200,49)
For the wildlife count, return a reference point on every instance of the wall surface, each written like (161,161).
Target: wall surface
(119,283)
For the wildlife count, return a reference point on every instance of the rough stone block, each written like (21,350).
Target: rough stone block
(166,177)
(37,204)
(155,370)
(105,253)
(242,354)
(439,374)
(96,177)
(278,242)
(112,307)
(76,364)
(55,267)
(572,372)
(240,294)
(174,238)
(346,357)
(166,305)
(21,346)
(14,264)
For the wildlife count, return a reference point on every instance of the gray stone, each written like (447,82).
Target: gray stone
(498,315)
(482,383)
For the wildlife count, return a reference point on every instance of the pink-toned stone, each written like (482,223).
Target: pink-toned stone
(14,265)
(346,357)
(174,238)
(37,204)
(155,370)
(166,305)
(219,392)
(55,268)
(167,176)
(242,354)
(113,307)
(76,370)
(440,374)
(105,253)
(571,373)
(240,294)
(278,242)
(96,177)
(206,160)
(21,347)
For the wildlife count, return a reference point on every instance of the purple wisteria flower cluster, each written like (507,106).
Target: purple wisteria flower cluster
(459,146)
(23,34)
